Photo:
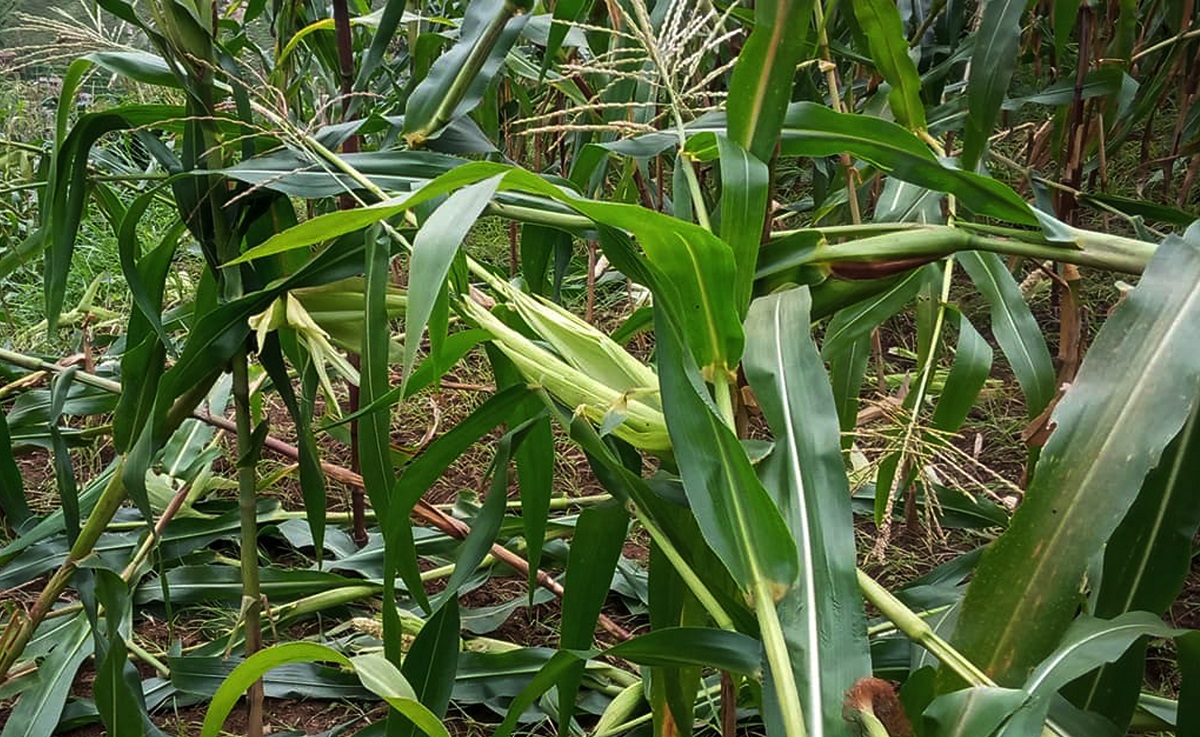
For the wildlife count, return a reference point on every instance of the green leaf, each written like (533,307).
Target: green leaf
(12,488)
(823,619)
(117,689)
(1145,564)
(485,526)
(968,373)
(880,21)
(1015,328)
(400,553)
(383,679)
(846,372)
(37,712)
(761,85)
(457,80)
(814,130)
(432,662)
(1088,644)
(535,472)
(737,516)
(312,478)
(853,323)
(64,470)
(971,712)
(992,64)
(434,249)
(566,13)
(678,646)
(595,550)
(745,194)
(1136,388)
(389,21)
(253,668)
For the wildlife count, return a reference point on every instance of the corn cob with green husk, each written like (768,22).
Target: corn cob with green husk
(587,370)
(327,318)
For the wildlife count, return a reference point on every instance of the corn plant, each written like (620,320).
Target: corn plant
(669,135)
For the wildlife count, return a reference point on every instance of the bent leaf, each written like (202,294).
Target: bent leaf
(1136,388)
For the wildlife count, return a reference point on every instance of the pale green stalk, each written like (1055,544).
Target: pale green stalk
(771,630)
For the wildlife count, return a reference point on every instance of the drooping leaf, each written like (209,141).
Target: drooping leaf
(384,679)
(1015,328)
(1135,390)
(434,249)
(738,518)
(814,130)
(880,22)
(992,64)
(970,369)
(745,193)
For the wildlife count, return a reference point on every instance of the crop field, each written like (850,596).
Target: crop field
(795,368)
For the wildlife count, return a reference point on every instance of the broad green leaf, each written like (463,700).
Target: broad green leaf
(432,662)
(880,21)
(400,553)
(566,13)
(485,525)
(1145,564)
(739,520)
(761,85)
(1087,644)
(434,249)
(1135,390)
(64,470)
(745,198)
(376,673)
(721,649)
(849,325)
(312,478)
(375,427)
(37,712)
(595,550)
(992,64)
(697,265)
(12,488)
(335,224)
(970,369)
(384,679)
(971,712)
(214,583)
(846,372)
(457,80)
(389,20)
(823,620)
(1015,328)
(535,473)
(814,130)
(1153,211)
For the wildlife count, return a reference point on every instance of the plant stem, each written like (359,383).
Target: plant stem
(770,629)
(247,505)
(110,500)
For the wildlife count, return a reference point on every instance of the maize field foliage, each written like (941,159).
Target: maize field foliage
(773,181)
